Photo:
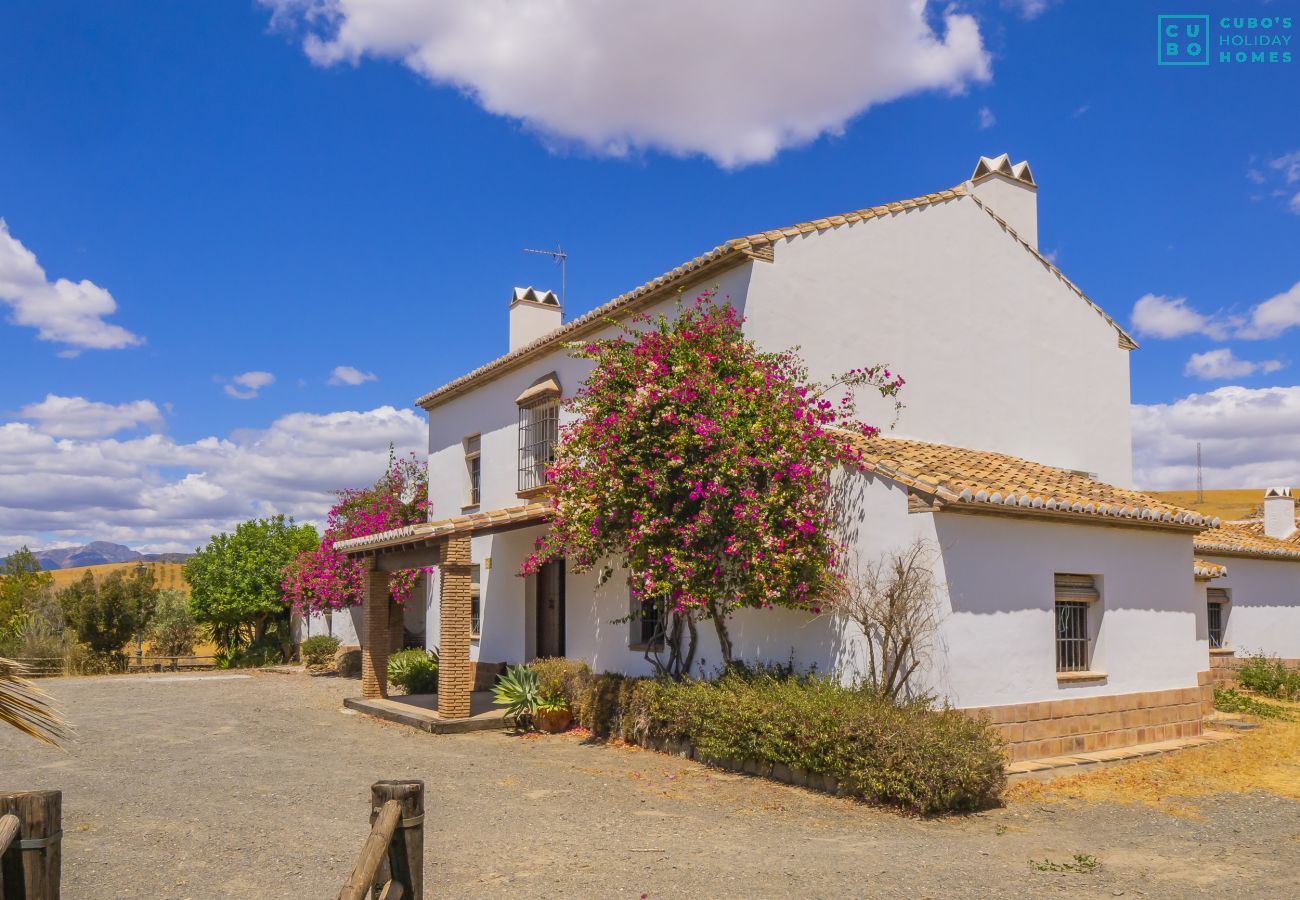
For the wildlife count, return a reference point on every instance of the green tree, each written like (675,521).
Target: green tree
(107,615)
(235,581)
(173,630)
(22,582)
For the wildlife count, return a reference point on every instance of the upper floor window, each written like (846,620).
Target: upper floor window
(539,431)
(1075,597)
(473,468)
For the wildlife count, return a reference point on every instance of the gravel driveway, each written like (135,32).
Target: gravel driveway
(256,787)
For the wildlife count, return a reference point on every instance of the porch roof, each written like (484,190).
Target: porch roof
(413,537)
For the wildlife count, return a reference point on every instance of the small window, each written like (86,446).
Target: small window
(473,467)
(1074,595)
(645,624)
(475,603)
(539,434)
(1218,616)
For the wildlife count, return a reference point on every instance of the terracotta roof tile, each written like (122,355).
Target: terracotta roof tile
(1236,539)
(996,482)
(1207,570)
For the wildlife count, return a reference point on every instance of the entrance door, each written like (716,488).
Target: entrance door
(550,609)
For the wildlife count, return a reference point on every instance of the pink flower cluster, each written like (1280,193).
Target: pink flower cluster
(324,579)
(703,464)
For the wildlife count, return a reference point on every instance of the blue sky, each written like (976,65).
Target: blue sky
(257,205)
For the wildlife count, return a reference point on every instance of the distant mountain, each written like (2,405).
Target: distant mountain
(97,553)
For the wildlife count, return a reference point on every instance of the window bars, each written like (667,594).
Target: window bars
(646,624)
(1216,624)
(1071,636)
(539,433)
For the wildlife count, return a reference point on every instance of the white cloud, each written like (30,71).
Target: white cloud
(159,494)
(987,119)
(1281,178)
(77,417)
(1248,438)
(734,80)
(349,375)
(1221,364)
(61,311)
(247,385)
(1082,110)
(1155,315)
(1028,9)
(1274,316)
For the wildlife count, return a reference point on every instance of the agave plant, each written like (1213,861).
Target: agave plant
(519,691)
(27,708)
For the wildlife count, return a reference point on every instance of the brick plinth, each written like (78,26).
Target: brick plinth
(376,640)
(1225,663)
(455,676)
(1062,727)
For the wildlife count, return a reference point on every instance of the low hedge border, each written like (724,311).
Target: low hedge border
(803,730)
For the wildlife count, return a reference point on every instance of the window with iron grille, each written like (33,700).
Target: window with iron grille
(473,468)
(645,624)
(475,603)
(1217,618)
(539,433)
(1074,595)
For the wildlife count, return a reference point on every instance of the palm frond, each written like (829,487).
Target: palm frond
(28,708)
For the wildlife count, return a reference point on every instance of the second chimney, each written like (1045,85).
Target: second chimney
(1279,512)
(533,313)
(1011,192)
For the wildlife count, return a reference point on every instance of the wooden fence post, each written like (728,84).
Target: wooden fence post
(33,863)
(406,850)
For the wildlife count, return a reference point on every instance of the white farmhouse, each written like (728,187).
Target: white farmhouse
(1070,615)
(1253,601)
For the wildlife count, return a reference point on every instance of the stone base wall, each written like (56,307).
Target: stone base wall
(1224,666)
(1063,727)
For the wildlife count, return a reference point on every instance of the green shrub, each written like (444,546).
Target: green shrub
(319,651)
(1230,700)
(264,653)
(172,629)
(415,671)
(911,755)
(1269,676)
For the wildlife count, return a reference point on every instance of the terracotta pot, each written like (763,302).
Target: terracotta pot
(553,721)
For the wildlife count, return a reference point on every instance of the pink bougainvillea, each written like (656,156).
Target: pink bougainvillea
(702,464)
(324,579)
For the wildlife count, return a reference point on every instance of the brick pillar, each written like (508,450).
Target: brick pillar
(374,647)
(454,677)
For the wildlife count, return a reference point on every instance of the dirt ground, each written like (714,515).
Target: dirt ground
(205,786)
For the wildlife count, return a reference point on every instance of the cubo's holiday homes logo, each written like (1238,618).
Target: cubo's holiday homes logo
(1225,40)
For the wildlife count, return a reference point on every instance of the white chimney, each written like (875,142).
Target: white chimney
(1279,512)
(1010,191)
(532,314)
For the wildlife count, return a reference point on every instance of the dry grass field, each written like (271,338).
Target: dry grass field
(1265,759)
(166,575)
(1233,504)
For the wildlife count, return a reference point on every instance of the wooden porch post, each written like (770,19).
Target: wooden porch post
(375,646)
(454,681)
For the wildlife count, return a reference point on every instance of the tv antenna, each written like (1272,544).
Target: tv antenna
(560,257)
(1200,481)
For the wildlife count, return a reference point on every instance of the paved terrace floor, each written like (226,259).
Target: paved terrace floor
(256,787)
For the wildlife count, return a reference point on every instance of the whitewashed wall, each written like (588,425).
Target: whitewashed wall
(1264,606)
(998,353)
